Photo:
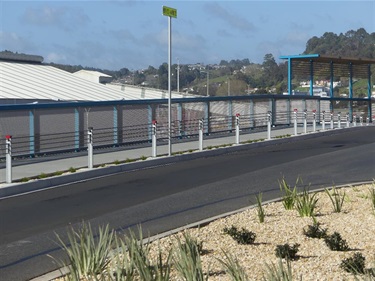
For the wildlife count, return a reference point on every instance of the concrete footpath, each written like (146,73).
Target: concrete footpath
(106,163)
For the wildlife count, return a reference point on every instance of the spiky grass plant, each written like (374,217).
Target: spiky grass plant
(306,203)
(278,272)
(289,197)
(354,264)
(88,255)
(260,210)
(186,259)
(337,199)
(233,267)
(372,197)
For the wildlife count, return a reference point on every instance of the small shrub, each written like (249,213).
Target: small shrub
(242,236)
(286,251)
(315,231)
(24,180)
(143,157)
(290,194)
(354,264)
(260,209)
(42,176)
(116,162)
(72,170)
(337,199)
(128,160)
(336,243)
(278,272)
(58,173)
(306,203)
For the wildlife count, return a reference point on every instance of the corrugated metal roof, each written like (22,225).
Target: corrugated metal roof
(38,81)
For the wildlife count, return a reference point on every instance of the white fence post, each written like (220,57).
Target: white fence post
(361,120)
(8,156)
(347,120)
(269,119)
(201,129)
(314,120)
(331,120)
(305,121)
(295,122)
(324,121)
(154,148)
(237,128)
(339,120)
(355,120)
(90,148)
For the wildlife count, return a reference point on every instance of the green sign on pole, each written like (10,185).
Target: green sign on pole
(169,12)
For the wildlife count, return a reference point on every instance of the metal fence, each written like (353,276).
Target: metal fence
(39,129)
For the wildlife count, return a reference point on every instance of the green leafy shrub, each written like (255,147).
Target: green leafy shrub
(354,264)
(242,236)
(42,176)
(315,231)
(72,170)
(187,260)
(286,251)
(87,256)
(336,243)
(306,203)
(337,199)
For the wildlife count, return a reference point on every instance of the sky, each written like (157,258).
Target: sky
(133,34)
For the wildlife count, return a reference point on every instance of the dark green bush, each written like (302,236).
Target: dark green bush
(242,236)
(287,251)
(336,243)
(315,231)
(354,264)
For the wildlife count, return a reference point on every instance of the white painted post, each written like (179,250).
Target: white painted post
(339,120)
(154,148)
(355,120)
(90,148)
(331,120)
(8,157)
(200,129)
(314,120)
(347,120)
(361,120)
(295,121)
(367,121)
(269,117)
(305,121)
(237,128)
(324,121)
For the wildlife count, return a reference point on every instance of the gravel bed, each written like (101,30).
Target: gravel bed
(356,224)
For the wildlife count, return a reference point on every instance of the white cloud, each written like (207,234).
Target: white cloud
(11,41)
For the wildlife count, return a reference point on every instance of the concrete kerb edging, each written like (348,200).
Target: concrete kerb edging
(41,184)
(65,270)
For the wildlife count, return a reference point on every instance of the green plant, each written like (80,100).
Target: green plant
(24,179)
(336,243)
(72,170)
(233,268)
(87,256)
(278,272)
(354,264)
(315,231)
(116,162)
(143,158)
(337,199)
(187,261)
(242,236)
(287,251)
(58,173)
(260,209)
(128,160)
(209,147)
(42,176)
(290,194)
(306,203)
(372,197)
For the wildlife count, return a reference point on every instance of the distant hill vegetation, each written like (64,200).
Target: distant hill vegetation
(240,76)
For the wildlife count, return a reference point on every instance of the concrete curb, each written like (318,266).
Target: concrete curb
(15,189)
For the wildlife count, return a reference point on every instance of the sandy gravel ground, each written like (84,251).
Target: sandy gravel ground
(356,224)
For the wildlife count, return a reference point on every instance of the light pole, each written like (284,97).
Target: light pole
(169,12)
(228,86)
(208,81)
(178,75)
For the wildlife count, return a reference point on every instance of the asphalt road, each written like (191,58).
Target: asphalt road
(165,197)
